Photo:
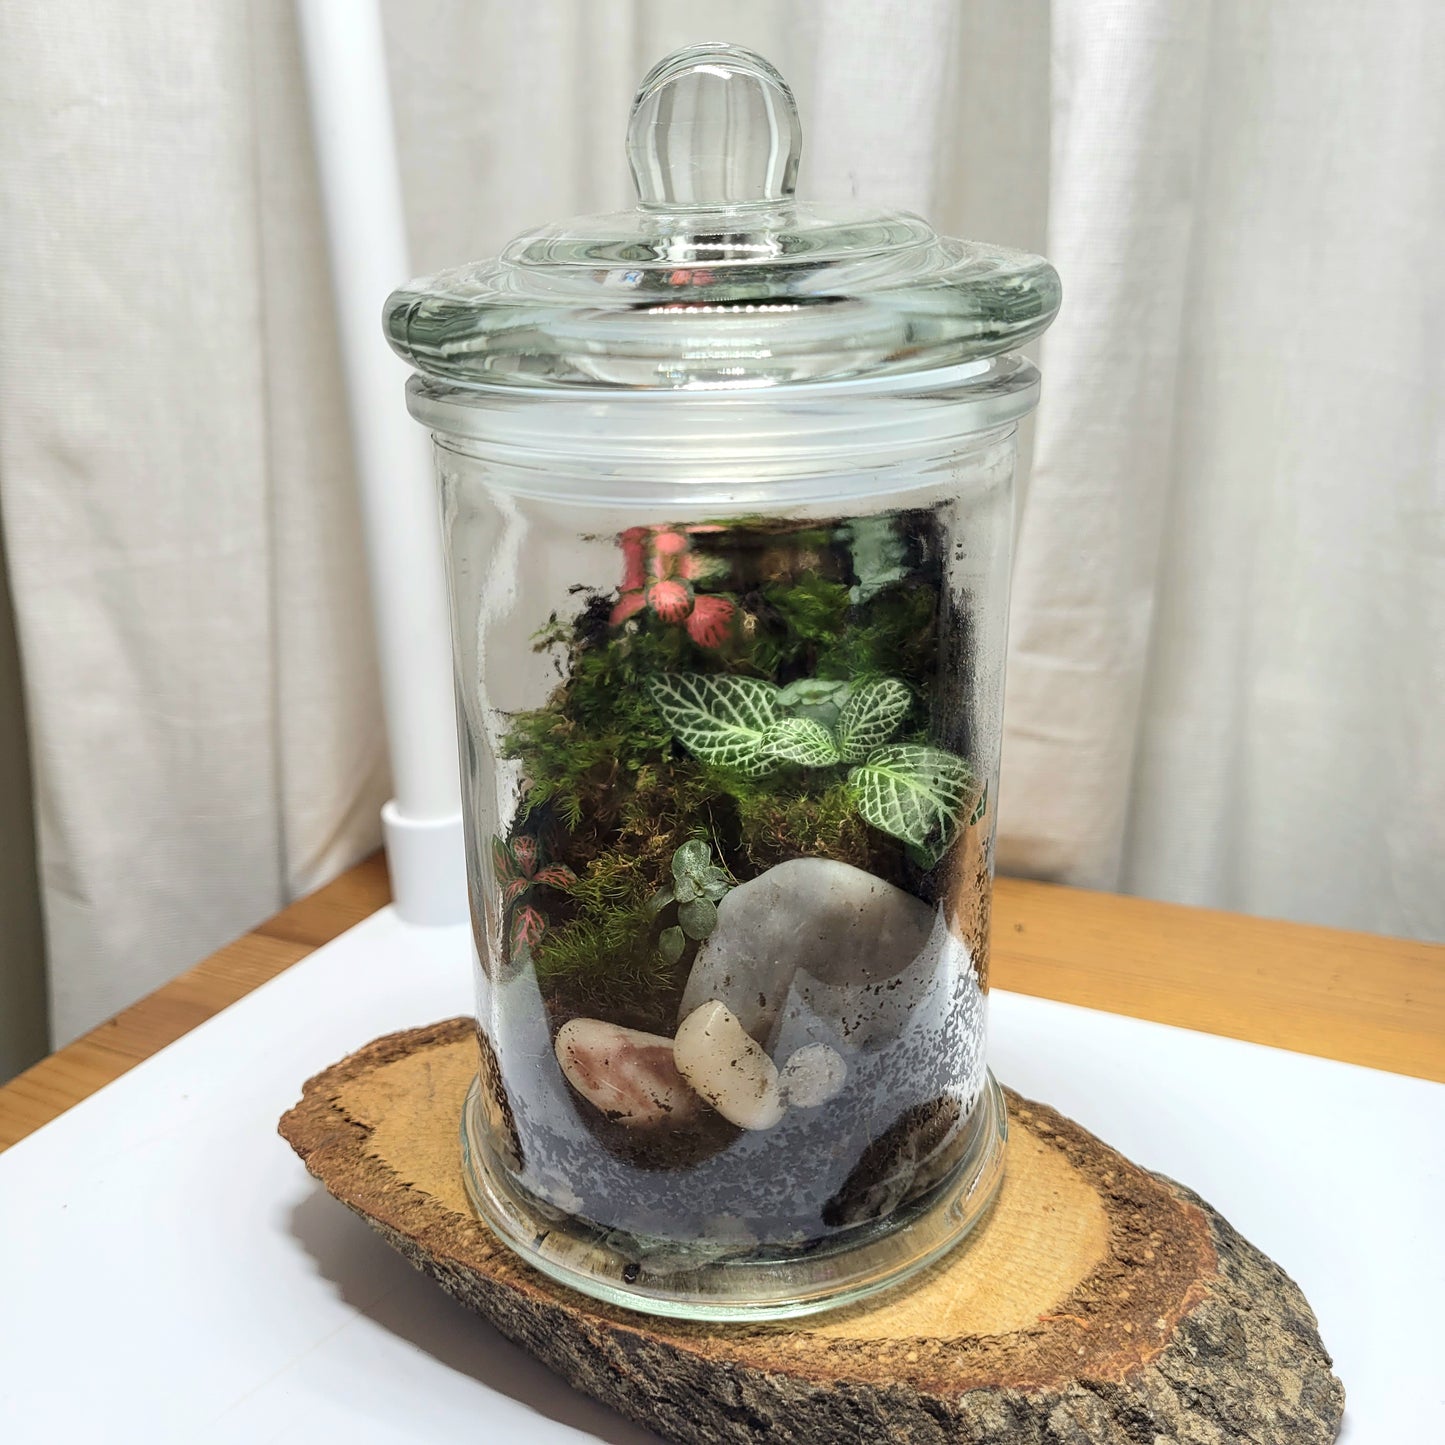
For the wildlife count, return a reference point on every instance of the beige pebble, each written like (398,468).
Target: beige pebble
(728,1067)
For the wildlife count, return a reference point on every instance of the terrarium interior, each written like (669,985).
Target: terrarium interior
(733,778)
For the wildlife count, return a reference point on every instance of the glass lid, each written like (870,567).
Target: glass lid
(719,279)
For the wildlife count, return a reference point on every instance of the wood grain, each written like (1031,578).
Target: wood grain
(1095,1301)
(1353,996)
(1359,997)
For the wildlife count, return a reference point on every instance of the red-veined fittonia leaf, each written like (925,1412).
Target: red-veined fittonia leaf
(711,620)
(527,928)
(634,558)
(628,605)
(524,850)
(671,600)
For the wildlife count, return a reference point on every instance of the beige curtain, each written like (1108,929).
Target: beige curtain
(1227,680)
(1229,655)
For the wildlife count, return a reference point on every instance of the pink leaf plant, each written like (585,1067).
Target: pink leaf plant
(659,568)
(527,929)
(519,868)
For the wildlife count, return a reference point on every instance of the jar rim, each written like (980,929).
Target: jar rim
(706,436)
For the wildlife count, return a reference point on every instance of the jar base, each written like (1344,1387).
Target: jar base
(762,1283)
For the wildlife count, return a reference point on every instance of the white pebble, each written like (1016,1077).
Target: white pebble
(728,1067)
(813,1075)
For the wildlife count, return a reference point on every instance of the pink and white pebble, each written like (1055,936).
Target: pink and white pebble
(630,1076)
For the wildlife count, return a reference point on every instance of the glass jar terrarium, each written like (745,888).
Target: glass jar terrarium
(726,492)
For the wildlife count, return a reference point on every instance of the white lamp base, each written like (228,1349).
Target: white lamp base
(428,868)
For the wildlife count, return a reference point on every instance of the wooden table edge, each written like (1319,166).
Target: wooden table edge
(1358,997)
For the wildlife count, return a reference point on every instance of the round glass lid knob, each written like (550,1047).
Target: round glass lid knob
(713,126)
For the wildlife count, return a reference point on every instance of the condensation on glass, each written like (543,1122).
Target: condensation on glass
(726,494)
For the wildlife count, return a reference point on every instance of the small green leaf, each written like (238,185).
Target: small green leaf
(915,793)
(686,889)
(671,944)
(816,697)
(807,691)
(659,901)
(692,857)
(698,918)
(879,553)
(871,716)
(719,720)
(800,740)
(714,883)
(980,808)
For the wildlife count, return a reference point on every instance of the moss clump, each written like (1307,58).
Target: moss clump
(777,826)
(610,794)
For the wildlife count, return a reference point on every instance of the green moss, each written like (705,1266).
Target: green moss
(893,634)
(826,824)
(608,793)
(813,610)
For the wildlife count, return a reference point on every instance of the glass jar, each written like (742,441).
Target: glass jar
(726,493)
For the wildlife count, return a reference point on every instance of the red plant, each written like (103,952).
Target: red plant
(659,568)
(517,869)
(711,621)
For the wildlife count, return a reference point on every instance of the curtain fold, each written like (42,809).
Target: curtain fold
(1227,677)
(1228,657)
(1129,86)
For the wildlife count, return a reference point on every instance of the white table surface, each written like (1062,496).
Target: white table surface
(170,1272)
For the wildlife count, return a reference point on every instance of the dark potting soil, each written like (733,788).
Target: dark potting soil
(883,1139)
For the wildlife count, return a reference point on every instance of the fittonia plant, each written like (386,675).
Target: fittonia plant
(698,886)
(660,567)
(751,693)
(909,790)
(519,868)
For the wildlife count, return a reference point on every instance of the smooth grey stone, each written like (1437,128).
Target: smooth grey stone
(813,1074)
(836,942)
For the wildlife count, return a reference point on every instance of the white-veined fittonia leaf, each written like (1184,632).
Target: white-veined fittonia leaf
(809,690)
(719,720)
(671,944)
(800,740)
(879,553)
(914,792)
(979,808)
(871,716)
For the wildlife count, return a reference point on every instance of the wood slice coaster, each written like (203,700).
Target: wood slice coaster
(1095,1303)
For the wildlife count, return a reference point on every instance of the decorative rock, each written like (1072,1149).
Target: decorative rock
(718,1057)
(630,1076)
(889,1170)
(856,946)
(496,1104)
(813,1075)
